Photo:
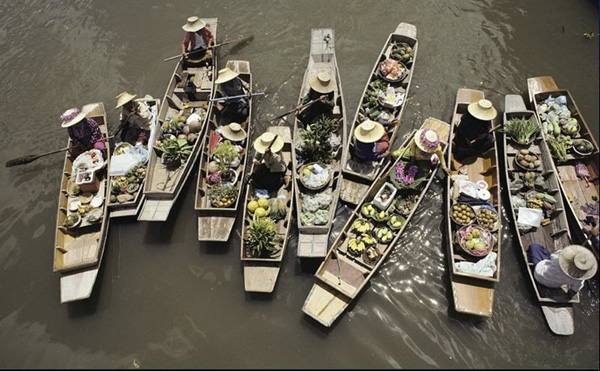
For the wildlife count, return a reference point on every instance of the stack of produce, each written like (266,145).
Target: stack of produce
(402,52)
(315,208)
(124,187)
(528,160)
(521,130)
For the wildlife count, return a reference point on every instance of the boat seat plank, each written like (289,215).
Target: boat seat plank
(473,299)
(155,210)
(260,278)
(312,245)
(560,319)
(406,29)
(77,286)
(325,304)
(536,85)
(514,103)
(215,228)
(352,192)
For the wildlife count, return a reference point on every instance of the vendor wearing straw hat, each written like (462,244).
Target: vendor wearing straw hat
(230,85)
(233,132)
(135,119)
(570,266)
(426,146)
(473,135)
(321,87)
(83,131)
(271,168)
(371,142)
(197,41)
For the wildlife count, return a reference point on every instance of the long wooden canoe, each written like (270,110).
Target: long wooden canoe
(78,251)
(131,208)
(359,175)
(472,294)
(216,223)
(260,274)
(313,239)
(341,276)
(556,305)
(575,190)
(163,186)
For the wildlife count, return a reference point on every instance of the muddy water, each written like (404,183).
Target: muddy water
(164,300)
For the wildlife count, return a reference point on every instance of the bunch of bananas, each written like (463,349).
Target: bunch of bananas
(384,235)
(368,210)
(356,247)
(361,226)
(535,203)
(368,239)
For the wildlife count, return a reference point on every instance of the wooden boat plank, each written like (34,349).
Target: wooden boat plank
(514,103)
(324,304)
(124,212)
(215,228)
(406,29)
(156,210)
(540,84)
(77,286)
(560,319)
(312,245)
(352,192)
(260,278)
(471,299)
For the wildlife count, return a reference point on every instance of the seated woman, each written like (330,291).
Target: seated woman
(233,132)
(230,85)
(426,146)
(371,142)
(321,89)
(472,137)
(135,119)
(197,43)
(570,266)
(83,131)
(270,173)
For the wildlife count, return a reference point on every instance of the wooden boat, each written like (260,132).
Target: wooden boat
(342,275)
(359,175)
(163,185)
(260,273)
(216,223)
(313,237)
(576,190)
(132,207)
(78,250)
(557,306)
(472,293)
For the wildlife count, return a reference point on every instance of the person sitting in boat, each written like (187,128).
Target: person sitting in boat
(426,146)
(135,119)
(230,85)
(371,142)
(322,90)
(473,135)
(83,131)
(233,133)
(569,266)
(270,165)
(197,43)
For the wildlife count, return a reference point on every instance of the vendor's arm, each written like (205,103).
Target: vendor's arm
(95,129)
(186,42)
(209,37)
(440,155)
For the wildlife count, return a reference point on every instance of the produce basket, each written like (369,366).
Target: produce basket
(307,170)
(488,218)
(479,245)
(577,146)
(459,209)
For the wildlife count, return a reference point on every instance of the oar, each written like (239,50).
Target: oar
(30,158)
(121,127)
(247,38)
(323,97)
(225,99)
(499,126)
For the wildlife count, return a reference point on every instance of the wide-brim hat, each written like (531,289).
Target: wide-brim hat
(321,83)
(427,140)
(226,74)
(578,262)
(482,110)
(369,131)
(123,98)
(233,132)
(262,143)
(72,116)
(194,24)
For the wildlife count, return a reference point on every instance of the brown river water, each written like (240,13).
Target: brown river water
(163,299)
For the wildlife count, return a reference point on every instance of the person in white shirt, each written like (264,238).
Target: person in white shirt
(271,167)
(570,266)
(135,118)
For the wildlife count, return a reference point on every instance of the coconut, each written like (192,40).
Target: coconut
(195,126)
(191,137)
(182,136)
(186,130)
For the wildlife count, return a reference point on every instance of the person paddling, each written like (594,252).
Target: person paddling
(473,135)
(270,172)
(83,131)
(197,43)
(371,142)
(321,89)
(230,85)
(135,119)
(426,146)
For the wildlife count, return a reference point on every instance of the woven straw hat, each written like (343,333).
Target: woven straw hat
(194,24)
(482,110)
(427,140)
(226,74)
(123,98)
(261,143)
(233,132)
(578,262)
(72,116)
(369,131)
(321,83)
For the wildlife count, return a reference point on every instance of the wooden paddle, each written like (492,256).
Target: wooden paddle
(30,158)
(247,38)
(323,97)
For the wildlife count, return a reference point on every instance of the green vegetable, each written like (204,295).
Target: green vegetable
(315,144)
(261,237)
(521,129)
(558,148)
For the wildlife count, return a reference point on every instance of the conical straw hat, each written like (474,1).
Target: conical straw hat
(261,143)
(321,83)
(123,98)
(578,262)
(72,116)
(226,74)
(482,110)
(233,132)
(427,140)
(194,24)
(369,131)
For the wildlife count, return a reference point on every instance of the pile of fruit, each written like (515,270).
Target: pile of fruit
(368,210)
(222,195)
(402,52)
(370,100)
(583,146)
(463,214)
(528,160)
(127,184)
(361,226)
(475,240)
(396,221)
(384,235)
(357,245)
(277,208)
(405,204)
(487,218)
(259,207)
(381,216)
(314,180)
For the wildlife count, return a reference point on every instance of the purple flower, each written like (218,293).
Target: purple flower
(409,177)
(70,114)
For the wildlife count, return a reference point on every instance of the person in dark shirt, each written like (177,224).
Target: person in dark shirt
(322,88)
(230,85)
(472,136)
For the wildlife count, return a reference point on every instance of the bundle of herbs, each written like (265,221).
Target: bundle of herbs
(261,237)
(315,145)
(521,130)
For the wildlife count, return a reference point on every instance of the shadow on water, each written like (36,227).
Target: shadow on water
(87,307)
